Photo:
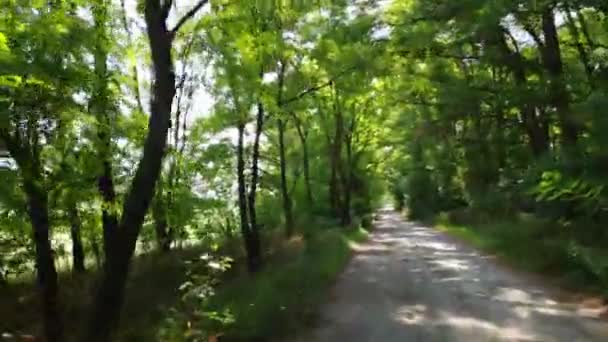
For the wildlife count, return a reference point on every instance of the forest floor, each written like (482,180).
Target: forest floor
(281,300)
(413,283)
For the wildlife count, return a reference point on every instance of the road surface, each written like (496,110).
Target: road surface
(412,283)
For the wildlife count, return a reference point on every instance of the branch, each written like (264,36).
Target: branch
(188,16)
(165,8)
(426,53)
(314,89)
(411,21)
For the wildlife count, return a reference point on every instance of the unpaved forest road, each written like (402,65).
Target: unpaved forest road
(411,283)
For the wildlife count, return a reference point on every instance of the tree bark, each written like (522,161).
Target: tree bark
(305,160)
(534,127)
(45,263)
(99,106)
(27,156)
(252,246)
(109,217)
(287,209)
(287,205)
(110,295)
(159,213)
(78,265)
(255,232)
(560,97)
(336,160)
(347,182)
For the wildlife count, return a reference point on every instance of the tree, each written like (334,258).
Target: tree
(110,296)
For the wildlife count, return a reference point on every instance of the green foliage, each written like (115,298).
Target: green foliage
(533,244)
(283,298)
(189,320)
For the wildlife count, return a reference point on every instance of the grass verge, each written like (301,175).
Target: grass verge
(280,299)
(283,299)
(534,245)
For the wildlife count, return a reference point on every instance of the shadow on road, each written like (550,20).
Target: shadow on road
(411,283)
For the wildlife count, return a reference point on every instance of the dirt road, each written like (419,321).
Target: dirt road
(411,283)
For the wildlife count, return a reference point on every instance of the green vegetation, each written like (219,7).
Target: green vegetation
(284,298)
(135,128)
(501,111)
(151,129)
(550,248)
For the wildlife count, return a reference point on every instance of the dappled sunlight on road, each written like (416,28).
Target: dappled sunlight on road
(411,283)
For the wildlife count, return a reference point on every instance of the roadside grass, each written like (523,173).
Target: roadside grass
(535,245)
(282,298)
(152,289)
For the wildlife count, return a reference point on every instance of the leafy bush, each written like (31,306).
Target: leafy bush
(422,195)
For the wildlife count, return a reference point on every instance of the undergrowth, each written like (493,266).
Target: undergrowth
(535,245)
(188,295)
(284,297)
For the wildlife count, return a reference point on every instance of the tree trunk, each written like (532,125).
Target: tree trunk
(159,213)
(27,156)
(560,97)
(251,244)
(334,197)
(99,106)
(109,217)
(336,160)
(110,296)
(287,209)
(255,232)
(96,252)
(45,263)
(347,182)
(305,162)
(287,205)
(78,265)
(532,123)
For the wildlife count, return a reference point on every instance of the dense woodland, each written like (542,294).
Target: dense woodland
(208,135)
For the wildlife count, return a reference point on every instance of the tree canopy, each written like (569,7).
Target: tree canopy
(153,125)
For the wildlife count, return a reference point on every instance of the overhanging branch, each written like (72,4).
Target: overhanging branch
(313,89)
(188,16)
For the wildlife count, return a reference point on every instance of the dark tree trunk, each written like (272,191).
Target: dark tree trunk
(332,181)
(27,156)
(347,182)
(337,175)
(287,209)
(161,227)
(45,263)
(560,97)
(109,218)
(78,266)
(252,245)
(255,232)
(334,196)
(110,296)
(160,206)
(99,106)
(287,205)
(305,162)
(96,252)
(533,124)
